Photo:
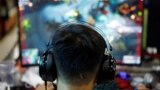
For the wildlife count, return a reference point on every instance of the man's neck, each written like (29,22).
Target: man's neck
(64,86)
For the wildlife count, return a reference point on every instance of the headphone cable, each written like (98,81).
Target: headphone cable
(45,82)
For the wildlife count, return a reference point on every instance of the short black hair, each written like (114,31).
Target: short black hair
(78,49)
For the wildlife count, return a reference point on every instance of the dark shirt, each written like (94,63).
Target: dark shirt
(110,86)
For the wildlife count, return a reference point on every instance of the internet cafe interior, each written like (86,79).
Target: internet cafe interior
(131,29)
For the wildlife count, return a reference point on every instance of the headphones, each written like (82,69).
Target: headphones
(106,73)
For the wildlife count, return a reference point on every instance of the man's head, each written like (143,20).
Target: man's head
(78,52)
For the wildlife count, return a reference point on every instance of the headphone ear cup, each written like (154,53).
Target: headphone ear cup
(47,68)
(42,68)
(51,68)
(107,70)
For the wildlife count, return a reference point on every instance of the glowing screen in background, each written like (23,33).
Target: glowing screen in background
(120,20)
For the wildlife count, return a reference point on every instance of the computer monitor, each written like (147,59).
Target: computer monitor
(120,21)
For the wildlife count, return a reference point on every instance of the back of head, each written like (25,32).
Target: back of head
(78,50)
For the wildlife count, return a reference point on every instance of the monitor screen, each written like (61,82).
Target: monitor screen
(120,21)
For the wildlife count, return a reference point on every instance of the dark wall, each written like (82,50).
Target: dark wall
(153,34)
